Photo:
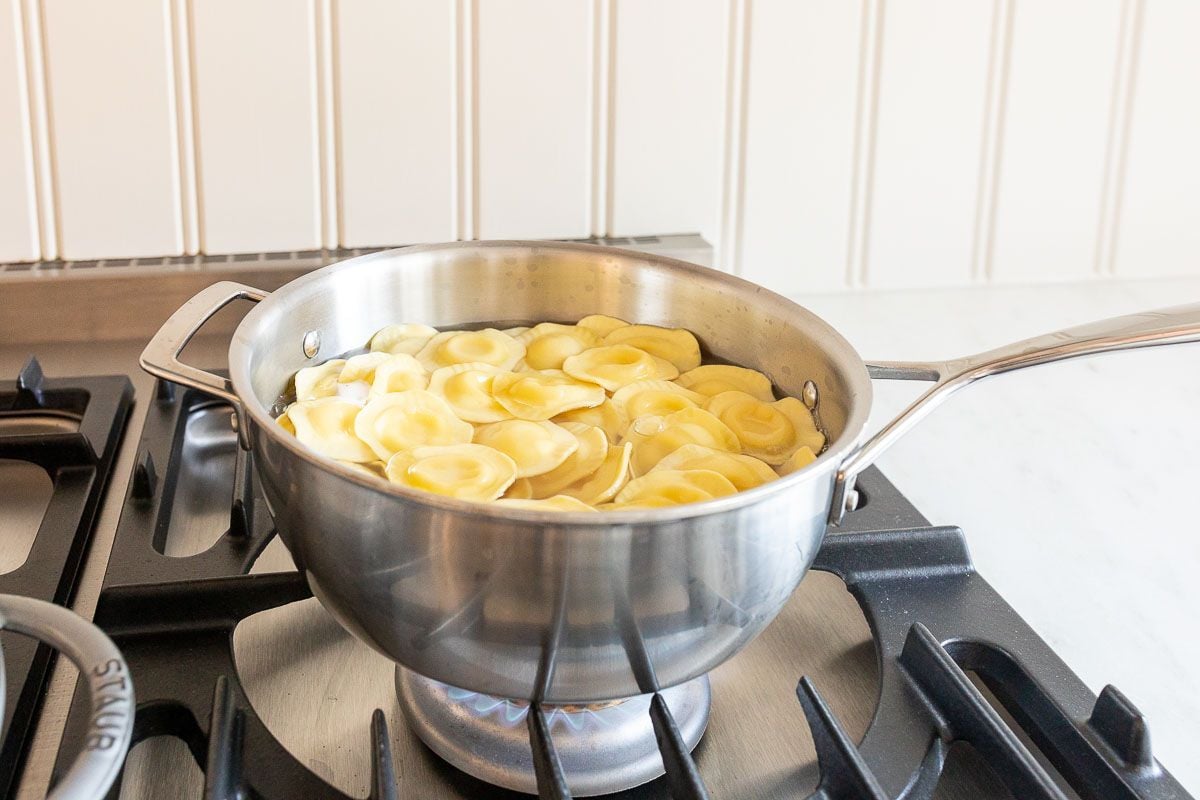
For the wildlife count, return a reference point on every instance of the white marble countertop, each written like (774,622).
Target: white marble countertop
(1074,481)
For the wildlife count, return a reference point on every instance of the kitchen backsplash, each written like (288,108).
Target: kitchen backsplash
(818,144)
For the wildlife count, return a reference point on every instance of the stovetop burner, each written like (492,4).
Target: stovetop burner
(68,429)
(935,622)
(601,749)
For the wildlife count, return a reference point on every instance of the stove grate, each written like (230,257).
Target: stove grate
(78,462)
(934,619)
(927,702)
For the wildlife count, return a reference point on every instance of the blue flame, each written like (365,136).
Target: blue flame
(512,712)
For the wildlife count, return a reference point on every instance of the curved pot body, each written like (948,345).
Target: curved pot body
(564,607)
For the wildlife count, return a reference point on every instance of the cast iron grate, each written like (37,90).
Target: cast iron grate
(79,462)
(932,616)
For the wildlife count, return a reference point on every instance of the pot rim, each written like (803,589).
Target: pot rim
(833,343)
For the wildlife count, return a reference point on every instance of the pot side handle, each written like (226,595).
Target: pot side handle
(161,356)
(1175,325)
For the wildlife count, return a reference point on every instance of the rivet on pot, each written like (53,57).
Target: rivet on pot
(810,395)
(312,343)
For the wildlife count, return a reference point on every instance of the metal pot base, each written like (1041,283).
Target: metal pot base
(603,747)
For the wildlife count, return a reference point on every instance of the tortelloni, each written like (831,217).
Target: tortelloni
(675,345)
(605,416)
(488,346)
(798,461)
(654,398)
(744,472)
(399,373)
(394,423)
(557,417)
(673,487)
(536,447)
(601,324)
(464,471)
(327,426)
(467,388)
(579,465)
(362,368)
(313,383)
(712,379)
(547,345)
(355,380)
(603,484)
(614,366)
(655,438)
(519,490)
(408,339)
(770,431)
(542,395)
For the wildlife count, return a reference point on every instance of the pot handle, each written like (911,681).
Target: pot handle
(161,356)
(1175,325)
(106,680)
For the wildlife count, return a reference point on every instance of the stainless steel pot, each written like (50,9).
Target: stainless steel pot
(566,607)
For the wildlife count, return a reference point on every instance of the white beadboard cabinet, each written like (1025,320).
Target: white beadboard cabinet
(18,191)
(395,85)
(817,144)
(255,77)
(113,137)
(1056,133)
(1159,201)
(668,74)
(528,80)
(930,83)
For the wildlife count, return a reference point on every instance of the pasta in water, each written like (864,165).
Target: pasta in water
(408,339)
(602,414)
(394,423)
(519,490)
(362,368)
(399,373)
(600,324)
(468,390)
(675,487)
(465,471)
(488,346)
(354,381)
(770,431)
(581,464)
(712,379)
(670,344)
(614,366)
(655,438)
(798,461)
(313,383)
(744,472)
(547,345)
(654,398)
(603,484)
(327,426)
(542,395)
(536,447)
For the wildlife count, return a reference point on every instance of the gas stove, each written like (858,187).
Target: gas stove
(894,671)
(58,440)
